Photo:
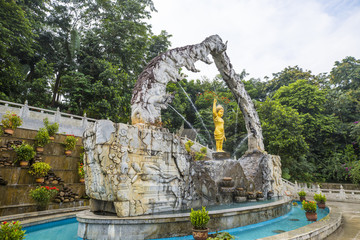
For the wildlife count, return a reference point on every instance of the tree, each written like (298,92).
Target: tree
(282,131)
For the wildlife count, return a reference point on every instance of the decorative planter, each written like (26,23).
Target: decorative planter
(270,194)
(259,195)
(24,163)
(82,180)
(9,131)
(311,216)
(39,149)
(227,182)
(240,192)
(39,180)
(251,196)
(68,152)
(200,234)
(321,205)
(302,199)
(52,138)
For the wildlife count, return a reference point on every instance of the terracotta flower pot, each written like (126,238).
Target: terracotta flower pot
(82,180)
(200,234)
(39,149)
(311,216)
(39,180)
(321,205)
(9,131)
(52,138)
(24,163)
(68,152)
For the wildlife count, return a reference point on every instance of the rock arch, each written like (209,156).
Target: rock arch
(149,94)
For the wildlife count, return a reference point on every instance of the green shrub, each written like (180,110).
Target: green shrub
(320,198)
(24,152)
(11,231)
(11,120)
(309,206)
(222,236)
(199,219)
(302,193)
(188,145)
(70,142)
(42,137)
(42,195)
(51,128)
(39,169)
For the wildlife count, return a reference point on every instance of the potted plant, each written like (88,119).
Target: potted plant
(320,199)
(310,210)
(42,196)
(199,219)
(42,138)
(25,153)
(221,236)
(51,128)
(302,195)
(81,172)
(11,230)
(39,170)
(70,143)
(10,122)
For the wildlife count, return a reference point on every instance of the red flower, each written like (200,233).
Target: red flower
(47,187)
(4,222)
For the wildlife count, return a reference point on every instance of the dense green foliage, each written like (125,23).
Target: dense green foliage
(85,56)
(81,56)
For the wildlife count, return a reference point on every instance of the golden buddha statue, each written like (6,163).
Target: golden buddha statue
(219,133)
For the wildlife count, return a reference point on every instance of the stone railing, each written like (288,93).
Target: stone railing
(341,194)
(33,118)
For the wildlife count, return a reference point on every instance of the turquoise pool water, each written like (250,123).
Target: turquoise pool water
(67,229)
(291,221)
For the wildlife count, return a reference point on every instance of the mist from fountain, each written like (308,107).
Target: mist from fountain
(239,145)
(189,124)
(198,115)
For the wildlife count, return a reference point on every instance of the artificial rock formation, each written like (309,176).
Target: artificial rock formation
(134,171)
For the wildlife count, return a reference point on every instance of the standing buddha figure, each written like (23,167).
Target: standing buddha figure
(219,133)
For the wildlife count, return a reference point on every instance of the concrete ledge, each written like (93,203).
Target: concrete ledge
(315,231)
(100,227)
(34,218)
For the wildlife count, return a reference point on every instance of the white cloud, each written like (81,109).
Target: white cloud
(266,36)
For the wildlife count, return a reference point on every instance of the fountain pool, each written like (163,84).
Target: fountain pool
(67,229)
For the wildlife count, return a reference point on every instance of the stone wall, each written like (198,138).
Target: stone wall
(15,195)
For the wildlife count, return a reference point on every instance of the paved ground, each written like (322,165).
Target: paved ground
(350,227)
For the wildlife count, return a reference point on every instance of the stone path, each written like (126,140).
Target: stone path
(350,228)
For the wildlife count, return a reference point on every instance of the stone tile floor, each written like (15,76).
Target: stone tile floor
(350,228)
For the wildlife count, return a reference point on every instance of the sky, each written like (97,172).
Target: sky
(265,36)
